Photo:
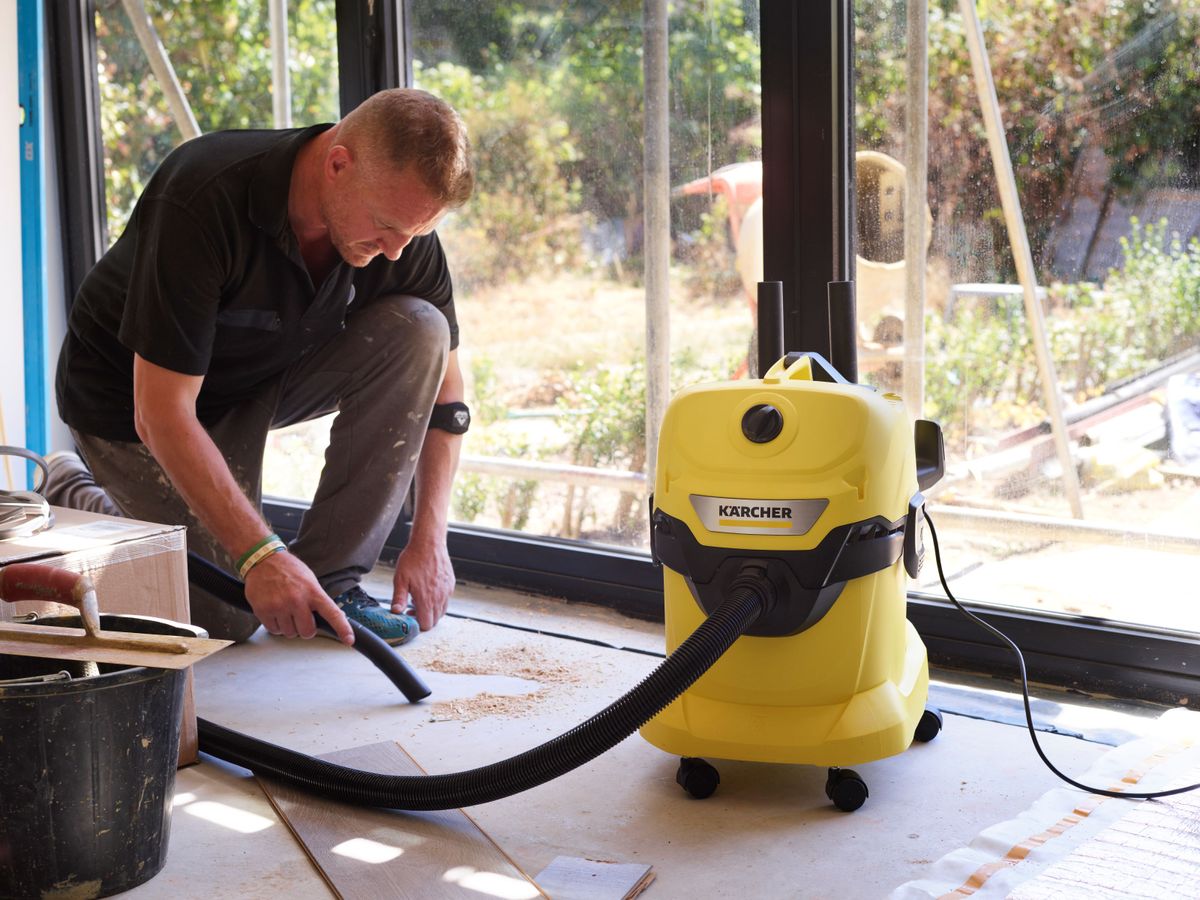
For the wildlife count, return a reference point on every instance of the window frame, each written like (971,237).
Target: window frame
(808,117)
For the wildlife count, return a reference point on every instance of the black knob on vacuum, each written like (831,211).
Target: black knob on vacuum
(762,423)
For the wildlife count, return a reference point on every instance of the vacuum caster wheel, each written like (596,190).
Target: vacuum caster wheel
(846,789)
(697,777)
(929,726)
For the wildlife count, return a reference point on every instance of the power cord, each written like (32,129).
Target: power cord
(1123,795)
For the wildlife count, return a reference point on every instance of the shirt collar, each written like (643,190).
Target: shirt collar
(268,203)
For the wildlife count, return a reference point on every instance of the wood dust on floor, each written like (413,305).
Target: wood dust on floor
(521,660)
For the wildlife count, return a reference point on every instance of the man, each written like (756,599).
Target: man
(267,278)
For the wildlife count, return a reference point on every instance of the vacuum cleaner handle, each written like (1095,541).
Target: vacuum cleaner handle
(821,368)
(35,581)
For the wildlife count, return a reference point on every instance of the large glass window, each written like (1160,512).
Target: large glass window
(1098,100)
(549,259)
(190,68)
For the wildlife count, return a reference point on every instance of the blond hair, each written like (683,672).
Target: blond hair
(403,127)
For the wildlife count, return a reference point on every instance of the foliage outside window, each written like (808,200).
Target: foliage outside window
(221,54)
(1099,102)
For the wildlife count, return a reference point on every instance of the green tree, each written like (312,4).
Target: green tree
(1123,73)
(221,53)
(562,83)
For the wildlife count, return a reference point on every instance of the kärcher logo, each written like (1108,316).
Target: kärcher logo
(729,511)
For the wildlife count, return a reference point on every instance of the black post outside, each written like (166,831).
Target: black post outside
(808,160)
(370,48)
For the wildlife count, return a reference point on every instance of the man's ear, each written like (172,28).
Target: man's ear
(337,161)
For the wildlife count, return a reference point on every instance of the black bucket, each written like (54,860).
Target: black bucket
(87,770)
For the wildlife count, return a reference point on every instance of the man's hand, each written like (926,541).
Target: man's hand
(284,594)
(424,573)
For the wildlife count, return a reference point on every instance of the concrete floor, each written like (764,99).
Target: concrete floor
(768,832)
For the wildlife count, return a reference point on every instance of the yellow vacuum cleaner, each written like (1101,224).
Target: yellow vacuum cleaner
(814,484)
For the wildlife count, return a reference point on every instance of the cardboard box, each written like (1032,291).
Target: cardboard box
(137,567)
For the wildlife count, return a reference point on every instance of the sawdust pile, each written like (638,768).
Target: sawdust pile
(516,661)
(468,709)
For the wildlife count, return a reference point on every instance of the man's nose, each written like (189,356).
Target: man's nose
(394,244)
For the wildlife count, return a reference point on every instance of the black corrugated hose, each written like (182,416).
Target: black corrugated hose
(749,598)
(225,587)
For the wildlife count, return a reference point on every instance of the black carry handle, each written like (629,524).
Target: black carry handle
(225,587)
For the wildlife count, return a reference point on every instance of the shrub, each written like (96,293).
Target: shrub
(982,370)
(520,220)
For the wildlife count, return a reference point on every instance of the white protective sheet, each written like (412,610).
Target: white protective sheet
(1012,853)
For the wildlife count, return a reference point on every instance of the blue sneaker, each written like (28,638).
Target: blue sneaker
(364,609)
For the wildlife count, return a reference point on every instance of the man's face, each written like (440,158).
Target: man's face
(368,215)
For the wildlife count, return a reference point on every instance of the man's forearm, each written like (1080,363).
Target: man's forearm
(433,480)
(199,472)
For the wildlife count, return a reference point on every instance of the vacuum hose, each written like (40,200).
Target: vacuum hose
(751,595)
(225,587)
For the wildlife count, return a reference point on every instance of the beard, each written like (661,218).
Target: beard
(355,253)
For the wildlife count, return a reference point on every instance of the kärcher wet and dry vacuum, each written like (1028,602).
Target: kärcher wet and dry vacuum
(811,485)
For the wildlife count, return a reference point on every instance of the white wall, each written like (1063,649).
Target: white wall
(12,361)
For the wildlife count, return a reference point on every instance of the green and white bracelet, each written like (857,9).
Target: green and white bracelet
(268,546)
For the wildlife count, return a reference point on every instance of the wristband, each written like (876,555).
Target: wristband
(452,417)
(268,546)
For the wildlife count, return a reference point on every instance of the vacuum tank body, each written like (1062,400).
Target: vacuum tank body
(813,480)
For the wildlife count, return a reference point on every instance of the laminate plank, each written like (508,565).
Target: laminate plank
(372,853)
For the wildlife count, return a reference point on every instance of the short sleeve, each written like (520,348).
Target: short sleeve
(174,289)
(421,271)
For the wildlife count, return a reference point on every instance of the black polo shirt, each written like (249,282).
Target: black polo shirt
(207,279)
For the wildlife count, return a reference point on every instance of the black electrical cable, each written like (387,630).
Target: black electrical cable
(1123,795)
(556,757)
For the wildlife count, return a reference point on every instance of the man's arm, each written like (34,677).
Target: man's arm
(282,590)
(423,570)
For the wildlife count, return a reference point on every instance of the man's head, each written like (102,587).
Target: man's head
(397,162)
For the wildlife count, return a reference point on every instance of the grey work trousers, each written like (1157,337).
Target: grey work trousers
(381,375)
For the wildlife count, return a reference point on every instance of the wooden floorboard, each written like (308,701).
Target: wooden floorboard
(373,853)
